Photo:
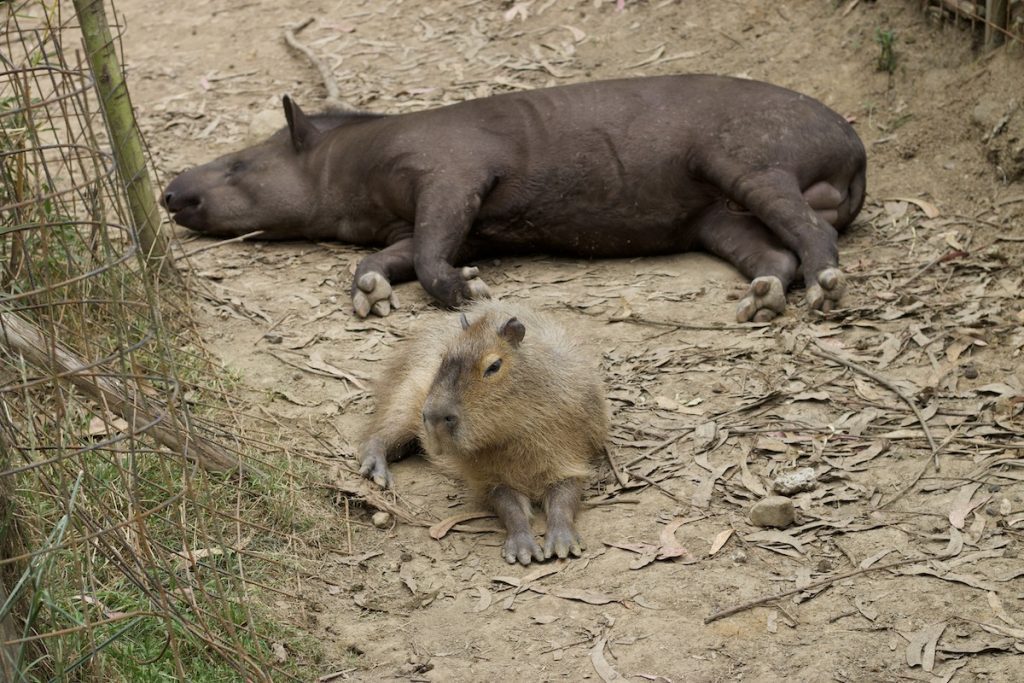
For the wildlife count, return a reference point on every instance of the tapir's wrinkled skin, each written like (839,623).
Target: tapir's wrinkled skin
(759,175)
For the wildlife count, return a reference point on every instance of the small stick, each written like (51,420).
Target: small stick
(921,472)
(659,487)
(333,98)
(817,584)
(221,243)
(924,269)
(885,383)
(272,328)
(623,482)
(638,320)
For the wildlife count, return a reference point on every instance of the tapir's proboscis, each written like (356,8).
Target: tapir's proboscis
(761,176)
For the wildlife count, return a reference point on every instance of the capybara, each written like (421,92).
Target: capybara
(505,399)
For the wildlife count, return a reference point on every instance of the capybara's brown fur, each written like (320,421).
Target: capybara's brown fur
(505,399)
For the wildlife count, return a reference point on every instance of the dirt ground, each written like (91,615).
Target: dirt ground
(705,414)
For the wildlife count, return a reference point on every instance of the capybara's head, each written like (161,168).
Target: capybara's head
(473,400)
(265,187)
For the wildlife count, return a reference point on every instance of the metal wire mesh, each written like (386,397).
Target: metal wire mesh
(118,554)
(995,21)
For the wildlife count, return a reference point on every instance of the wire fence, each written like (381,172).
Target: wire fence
(994,22)
(134,520)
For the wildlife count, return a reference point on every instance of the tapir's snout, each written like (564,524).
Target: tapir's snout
(183,202)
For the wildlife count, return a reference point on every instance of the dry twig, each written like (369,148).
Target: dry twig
(820,351)
(331,85)
(812,586)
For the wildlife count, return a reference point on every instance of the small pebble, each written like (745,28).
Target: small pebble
(773,511)
(381,520)
(970,372)
(273,338)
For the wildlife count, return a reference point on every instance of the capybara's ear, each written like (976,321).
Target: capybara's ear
(513,331)
(302,130)
(464,321)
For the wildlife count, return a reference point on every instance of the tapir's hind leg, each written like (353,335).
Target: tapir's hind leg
(775,197)
(745,242)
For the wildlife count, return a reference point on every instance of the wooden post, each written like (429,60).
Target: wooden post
(995,19)
(124,133)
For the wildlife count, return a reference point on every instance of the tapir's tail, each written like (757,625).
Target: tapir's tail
(849,209)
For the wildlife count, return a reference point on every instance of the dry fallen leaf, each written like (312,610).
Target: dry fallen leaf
(962,505)
(485,599)
(929,209)
(441,529)
(720,540)
(921,648)
(601,665)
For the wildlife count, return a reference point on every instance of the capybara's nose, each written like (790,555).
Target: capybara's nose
(434,417)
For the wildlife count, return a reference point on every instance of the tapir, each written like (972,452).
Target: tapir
(761,176)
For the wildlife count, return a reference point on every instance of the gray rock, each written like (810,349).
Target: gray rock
(802,479)
(773,511)
(381,520)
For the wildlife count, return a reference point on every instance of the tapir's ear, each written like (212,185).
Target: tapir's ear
(302,130)
(513,331)
(464,321)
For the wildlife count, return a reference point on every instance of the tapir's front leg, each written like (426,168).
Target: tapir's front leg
(371,286)
(444,217)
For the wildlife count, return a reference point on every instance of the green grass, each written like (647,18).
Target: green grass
(886,40)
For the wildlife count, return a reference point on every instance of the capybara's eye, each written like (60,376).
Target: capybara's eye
(492,368)
(236,166)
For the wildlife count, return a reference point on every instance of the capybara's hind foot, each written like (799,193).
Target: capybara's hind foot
(765,299)
(562,541)
(824,293)
(373,294)
(521,547)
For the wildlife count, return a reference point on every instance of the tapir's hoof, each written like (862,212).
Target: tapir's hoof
(373,294)
(824,294)
(474,287)
(765,299)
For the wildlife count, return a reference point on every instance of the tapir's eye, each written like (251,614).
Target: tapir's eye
(492,368)
(236,166)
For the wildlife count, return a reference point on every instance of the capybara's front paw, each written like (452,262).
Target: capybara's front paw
(562,541)
(825,291)
(372,293)
(375,466)
(765,299)
(522,548)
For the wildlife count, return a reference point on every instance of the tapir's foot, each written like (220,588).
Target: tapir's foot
(373,294)
(765,299)
(375,467)
(473,287)
(561,541)
(824,293)
(521,547)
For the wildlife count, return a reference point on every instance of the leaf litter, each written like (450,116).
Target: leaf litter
(737,410)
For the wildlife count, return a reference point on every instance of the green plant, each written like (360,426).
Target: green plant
(887,57)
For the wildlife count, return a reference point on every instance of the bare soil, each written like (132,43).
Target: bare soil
(705,415)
